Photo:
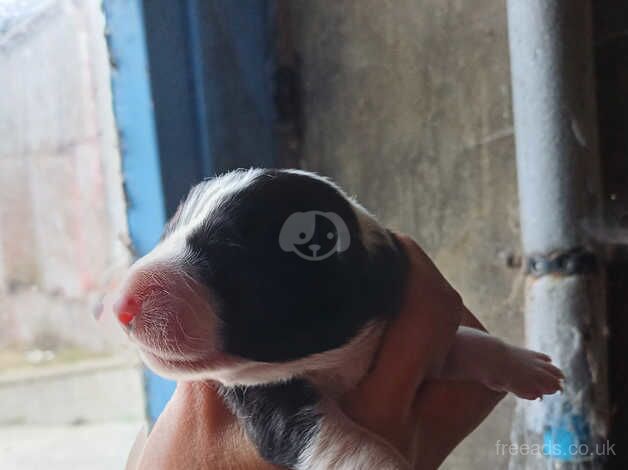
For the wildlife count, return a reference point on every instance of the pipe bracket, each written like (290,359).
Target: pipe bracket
(577,261)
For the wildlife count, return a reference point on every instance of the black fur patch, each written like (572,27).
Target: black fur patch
(277,306)
(274,305)
(280,419)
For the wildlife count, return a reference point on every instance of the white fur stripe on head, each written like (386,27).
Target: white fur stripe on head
(208,195)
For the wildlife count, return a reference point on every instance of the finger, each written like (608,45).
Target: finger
(470,320)
(137,449)
(445,413)
(421,334)
(552,369)
(549,383)
(543,357)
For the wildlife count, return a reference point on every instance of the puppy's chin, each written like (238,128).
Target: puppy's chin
(335,370)
(187,369)
(217,367)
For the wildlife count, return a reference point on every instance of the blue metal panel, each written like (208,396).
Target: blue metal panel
(134,117)
(174,97)
(193,92)
(212,64)
(239,63)
(158,393)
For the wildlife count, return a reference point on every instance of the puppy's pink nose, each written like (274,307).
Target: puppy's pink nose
(126,309)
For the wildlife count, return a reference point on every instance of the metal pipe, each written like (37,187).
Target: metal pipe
(558,171)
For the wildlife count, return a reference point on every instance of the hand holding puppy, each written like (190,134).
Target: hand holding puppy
(197,431)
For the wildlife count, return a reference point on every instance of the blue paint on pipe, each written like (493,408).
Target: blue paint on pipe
(567,435)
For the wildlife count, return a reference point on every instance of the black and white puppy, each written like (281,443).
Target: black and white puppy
(278,286)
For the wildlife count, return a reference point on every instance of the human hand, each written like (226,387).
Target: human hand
(415,344)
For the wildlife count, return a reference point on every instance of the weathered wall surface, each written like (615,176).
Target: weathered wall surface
(62,219)
(407,106)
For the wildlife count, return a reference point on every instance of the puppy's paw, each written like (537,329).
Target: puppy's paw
(528,374)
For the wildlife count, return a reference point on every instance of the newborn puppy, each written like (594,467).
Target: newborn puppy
(278,286)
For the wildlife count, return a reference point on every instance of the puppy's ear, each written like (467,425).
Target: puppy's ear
(344,238)
(295,225)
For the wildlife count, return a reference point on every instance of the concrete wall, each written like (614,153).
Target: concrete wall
(407,106)
(62,215)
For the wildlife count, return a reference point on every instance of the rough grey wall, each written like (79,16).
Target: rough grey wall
(407,106)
